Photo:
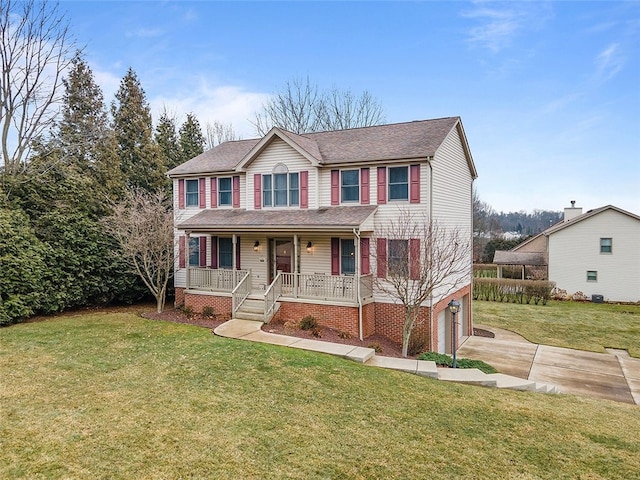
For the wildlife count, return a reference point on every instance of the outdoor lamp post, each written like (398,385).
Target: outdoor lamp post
(454,306)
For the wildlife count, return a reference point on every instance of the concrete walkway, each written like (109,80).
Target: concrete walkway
(613,375)
(251,330)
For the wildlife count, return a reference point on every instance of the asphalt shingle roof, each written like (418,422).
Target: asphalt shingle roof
(419,139)
(519,258)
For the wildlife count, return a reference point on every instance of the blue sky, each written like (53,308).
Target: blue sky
(548,92)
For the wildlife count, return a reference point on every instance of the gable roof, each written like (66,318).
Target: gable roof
(236,220)
(398,141)
(562,225)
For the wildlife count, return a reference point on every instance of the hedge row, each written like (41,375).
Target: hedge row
(512,291)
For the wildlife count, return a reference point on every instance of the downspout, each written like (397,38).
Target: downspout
(431,220)
(357,275)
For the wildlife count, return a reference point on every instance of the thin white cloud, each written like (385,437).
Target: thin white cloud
(223,103)
(145,33)
(609,62)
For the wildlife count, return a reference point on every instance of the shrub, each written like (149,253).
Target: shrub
(579,297)
(443,360)
(440,358)
(308,323)
(316,332)
(513,291)
(417,344)
(188,311)
(344,335)
(208,312)
(376,346)
(289,325)
(485,270)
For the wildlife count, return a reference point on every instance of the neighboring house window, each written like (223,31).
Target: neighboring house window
(225,191)
(606,245)
(398,257)
(280,189)
(225,253)
(194,252)
(398,183)
(592,276)
(350,186)
(192,193)
(347,256)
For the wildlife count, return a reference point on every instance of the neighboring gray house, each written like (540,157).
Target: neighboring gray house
(286,223)
(596,253)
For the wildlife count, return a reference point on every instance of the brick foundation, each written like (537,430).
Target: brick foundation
(390,320)
(222,306)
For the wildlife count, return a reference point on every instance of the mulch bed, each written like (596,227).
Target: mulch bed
(478,332)
(383,345)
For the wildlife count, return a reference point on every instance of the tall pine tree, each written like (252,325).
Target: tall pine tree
(167,140)
(140,158)
(191,138)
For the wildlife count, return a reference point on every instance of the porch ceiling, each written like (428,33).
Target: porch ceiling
(237,220)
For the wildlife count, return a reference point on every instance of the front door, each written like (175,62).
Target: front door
(280,255)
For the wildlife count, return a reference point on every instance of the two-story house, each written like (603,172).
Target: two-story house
(286,224)
(595,253)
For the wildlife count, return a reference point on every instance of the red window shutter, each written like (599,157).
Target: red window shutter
(335,256)
(236,191)
(382,185)
(238,253)
(214,252)
(214,192)
(365,266)
(181,193)
(364,186)
(381,256)
(304,189)
(203,251)
(257,191)
(414,259)
(414,184)
(181,251)
(202,192)
(335,187)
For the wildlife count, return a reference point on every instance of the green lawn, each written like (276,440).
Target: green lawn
(116,396)
(580,325)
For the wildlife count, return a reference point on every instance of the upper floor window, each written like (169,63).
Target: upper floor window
(606,245)
(225,191)
(399,183)
(280,189)
(350,185)
(192,193)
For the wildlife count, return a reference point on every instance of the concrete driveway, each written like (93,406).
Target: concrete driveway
(613,375)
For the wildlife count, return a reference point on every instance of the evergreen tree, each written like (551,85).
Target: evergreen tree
(167,140)
(140,158)
(84,135)
(191,138)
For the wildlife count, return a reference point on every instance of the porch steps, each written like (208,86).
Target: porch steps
(252,309)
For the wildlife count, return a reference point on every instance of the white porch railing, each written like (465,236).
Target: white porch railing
(215,280)
(326,287)
(240,293)
(274,291)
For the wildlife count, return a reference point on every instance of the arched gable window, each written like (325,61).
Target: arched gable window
(280,188)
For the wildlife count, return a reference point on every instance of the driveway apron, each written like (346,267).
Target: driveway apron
(599,375)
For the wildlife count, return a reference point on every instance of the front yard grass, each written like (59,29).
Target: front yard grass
(580,325)
(117,396)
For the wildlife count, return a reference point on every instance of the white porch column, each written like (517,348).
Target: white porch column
(295,264)
(187,254)
(233,259)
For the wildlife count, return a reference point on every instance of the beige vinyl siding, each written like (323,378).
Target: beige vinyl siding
(538,244)
(576,249)
(279,152)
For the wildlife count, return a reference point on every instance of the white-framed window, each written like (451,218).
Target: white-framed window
(398,183)
(398,257)
(225,191)
(606,245)
(280,188)
(350,185)
(225,252)
(192,193)
(347,256)
(592,275)
(194,252)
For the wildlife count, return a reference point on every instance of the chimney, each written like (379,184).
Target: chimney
(572,212)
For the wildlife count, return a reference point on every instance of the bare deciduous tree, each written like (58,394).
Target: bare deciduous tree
(423,261)
(217,133)
(299,107)
(143,226)
(35,50)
